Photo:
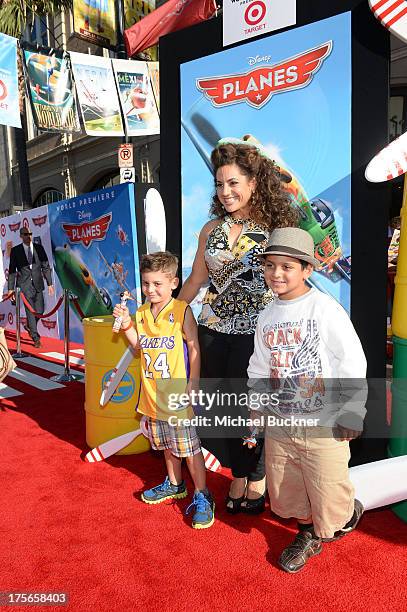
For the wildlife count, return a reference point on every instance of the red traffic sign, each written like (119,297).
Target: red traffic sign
(125,156)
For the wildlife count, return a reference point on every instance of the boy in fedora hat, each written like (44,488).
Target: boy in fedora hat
(304,341)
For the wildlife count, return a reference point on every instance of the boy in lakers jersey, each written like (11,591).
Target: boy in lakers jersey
(167,337)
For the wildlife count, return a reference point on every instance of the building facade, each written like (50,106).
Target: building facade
(39,168)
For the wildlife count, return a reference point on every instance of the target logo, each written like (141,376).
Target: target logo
(3,90)
(255,12)
(3,230)
(10,318)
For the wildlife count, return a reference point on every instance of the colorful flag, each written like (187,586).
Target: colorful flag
(49,83)
(95,21)
(9,101)
(171,16)
(97,94)
(136,97)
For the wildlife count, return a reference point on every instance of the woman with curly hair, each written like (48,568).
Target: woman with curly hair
(248,204)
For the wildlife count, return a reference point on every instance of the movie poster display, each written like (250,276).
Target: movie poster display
(291,92)
(95,251)
(95,21)
(137,98)
(49,84)
(37,220)
(97,94)
(9,99)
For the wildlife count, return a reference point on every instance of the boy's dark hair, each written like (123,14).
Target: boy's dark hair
(304,264)
(162,261)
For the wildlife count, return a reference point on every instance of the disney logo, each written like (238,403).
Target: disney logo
(84,215)
(258,59)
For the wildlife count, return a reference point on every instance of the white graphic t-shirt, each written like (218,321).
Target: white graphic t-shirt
(304,349)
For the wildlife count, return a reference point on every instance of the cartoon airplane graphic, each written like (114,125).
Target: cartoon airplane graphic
(117,272)
(316,216)
(75,276)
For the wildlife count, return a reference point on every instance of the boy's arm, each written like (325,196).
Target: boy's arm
(258,373)
(342,340)
(131,333)
(190,329)
(127,325)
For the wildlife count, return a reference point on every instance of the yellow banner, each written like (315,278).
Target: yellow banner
(95,21)
(134,10)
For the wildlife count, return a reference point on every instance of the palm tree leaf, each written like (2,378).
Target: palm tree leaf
(14,13)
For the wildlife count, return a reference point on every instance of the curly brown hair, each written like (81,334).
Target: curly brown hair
(270,206)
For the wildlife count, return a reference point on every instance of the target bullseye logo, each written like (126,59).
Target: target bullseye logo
(255,12)
(3,90)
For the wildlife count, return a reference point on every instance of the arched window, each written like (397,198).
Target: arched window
(48,197)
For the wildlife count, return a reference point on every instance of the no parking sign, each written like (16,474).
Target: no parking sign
(243,19)
(125,155)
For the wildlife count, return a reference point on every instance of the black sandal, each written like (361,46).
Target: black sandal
(254,506)
(234,505)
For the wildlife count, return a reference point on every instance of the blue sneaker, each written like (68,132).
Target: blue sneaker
(163,491)
(204,514)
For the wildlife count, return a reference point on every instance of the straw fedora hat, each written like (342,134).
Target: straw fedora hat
(294,242)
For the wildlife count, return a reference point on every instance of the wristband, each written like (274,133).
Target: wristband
(128,326)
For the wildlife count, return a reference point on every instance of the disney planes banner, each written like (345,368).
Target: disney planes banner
(289,93)
(94,245)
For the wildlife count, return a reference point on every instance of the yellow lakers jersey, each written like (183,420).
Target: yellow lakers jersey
(163,359)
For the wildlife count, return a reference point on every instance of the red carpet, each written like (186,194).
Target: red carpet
(80,528)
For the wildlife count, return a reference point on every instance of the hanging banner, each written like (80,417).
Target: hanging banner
(97,95)
(154,72)
(3,284)
(136,97)
(169,17)
(49,84)
(257,89)
(243,19)
(95,21)
(37,220)
(94,242)
(134,11)
(9,99)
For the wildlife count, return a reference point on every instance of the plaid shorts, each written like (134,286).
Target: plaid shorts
(181,441)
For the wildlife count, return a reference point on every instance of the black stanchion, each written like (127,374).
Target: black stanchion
(66,376)
(18,353)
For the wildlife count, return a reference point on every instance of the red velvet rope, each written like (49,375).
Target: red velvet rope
(78,308)
(37,314)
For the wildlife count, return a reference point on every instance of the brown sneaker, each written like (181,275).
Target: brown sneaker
(294,557)
(37,343)
(350,525)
